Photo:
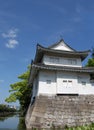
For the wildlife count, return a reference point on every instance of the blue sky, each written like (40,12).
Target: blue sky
(24,23)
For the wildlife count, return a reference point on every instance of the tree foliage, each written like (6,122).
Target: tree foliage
(20,91)
(5,108)
(90,62)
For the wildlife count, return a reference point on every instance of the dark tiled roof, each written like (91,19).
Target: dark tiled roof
(36,67)
(64,68)
(42,50)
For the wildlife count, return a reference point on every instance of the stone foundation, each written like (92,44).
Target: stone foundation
(59,111)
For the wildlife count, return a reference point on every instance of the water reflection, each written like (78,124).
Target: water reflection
(21,124)
(13,122)
(3,118)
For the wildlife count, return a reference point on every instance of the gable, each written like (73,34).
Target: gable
(61,46)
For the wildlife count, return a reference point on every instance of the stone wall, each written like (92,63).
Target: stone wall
(59,111)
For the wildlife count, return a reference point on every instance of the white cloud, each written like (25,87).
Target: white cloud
(11,43)
(10,36)
(12,33)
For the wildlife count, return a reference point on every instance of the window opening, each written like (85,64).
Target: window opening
(54,59)
(83,83)
(48,81)
(72,61)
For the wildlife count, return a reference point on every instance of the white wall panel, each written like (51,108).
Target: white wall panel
(62,61)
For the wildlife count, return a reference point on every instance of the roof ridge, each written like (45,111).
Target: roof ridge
(42,47)
(55,44)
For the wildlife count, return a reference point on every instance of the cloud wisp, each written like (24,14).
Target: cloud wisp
(12,33)
(11,37)
(1,80)
(11,43)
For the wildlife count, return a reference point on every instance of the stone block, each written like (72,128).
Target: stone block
(61,111)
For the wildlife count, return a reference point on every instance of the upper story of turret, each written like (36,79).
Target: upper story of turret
(60,54)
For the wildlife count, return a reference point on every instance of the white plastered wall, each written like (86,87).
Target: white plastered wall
(45,86)
(61,61)
(80,83)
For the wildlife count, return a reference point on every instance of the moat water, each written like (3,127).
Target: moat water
(14,122)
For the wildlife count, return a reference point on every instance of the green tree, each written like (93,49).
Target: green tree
(5,108)
(90,62)
(21,91)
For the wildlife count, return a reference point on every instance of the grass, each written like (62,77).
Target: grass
(85,127)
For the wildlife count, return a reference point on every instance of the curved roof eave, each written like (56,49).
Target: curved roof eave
(64,68)
(37,67)
(40,50)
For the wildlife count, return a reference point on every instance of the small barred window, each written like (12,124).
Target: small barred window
(48,81)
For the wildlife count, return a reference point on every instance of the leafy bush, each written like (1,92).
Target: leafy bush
(5,108)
